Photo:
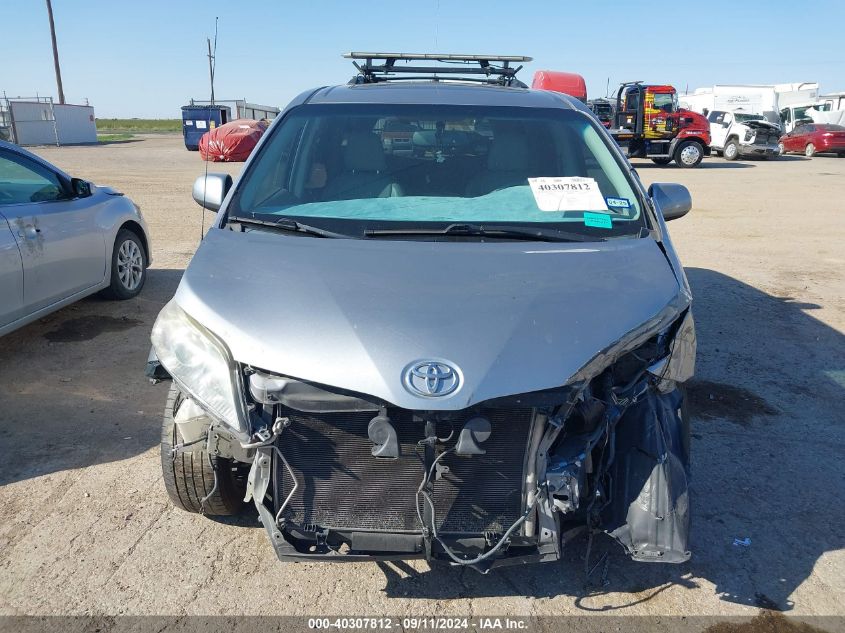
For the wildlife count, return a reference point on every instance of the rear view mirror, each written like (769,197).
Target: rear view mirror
(672,200)
(210,190)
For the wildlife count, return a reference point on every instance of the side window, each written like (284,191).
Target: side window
(720,118)
(272,177)
(714,116)
(23,181)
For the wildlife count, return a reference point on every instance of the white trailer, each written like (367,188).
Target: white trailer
(834,101)
(243,109)
(767,100)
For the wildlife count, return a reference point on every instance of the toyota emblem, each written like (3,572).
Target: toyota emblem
(432,378)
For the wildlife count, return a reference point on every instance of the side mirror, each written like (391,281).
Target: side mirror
(81,188)
(726,123)
(672,200)
(210,190)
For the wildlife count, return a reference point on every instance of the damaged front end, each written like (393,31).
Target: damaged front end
(340,476)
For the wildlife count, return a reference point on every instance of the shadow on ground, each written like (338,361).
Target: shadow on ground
(118,141)
(713,163)
(767,466)
(72,387)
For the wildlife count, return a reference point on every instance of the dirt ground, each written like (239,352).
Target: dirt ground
(86,527)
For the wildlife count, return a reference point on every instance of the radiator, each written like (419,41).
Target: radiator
(343,487)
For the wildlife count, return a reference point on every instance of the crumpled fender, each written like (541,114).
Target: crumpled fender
(649,512)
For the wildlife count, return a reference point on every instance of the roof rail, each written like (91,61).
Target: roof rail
(496,69)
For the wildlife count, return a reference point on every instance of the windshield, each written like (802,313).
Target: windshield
(353,169)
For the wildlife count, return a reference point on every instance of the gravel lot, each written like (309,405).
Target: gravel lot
(86,527)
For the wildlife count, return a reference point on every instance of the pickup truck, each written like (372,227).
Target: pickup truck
(735,134)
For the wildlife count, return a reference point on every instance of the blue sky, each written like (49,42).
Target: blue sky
(146,59)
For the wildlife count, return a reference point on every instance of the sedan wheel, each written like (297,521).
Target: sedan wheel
(809,150)
(128,266)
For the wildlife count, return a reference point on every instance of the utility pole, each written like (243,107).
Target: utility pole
(211,68)
(211,58)
(55,53)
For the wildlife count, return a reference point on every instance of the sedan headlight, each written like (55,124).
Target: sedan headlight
(200,363)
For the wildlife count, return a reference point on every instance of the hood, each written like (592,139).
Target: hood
(761,125)
(109,191)
(692,119)
(513,317)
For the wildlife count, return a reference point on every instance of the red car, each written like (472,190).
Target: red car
(812,138)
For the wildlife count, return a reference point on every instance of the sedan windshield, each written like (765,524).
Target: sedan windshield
(384,171)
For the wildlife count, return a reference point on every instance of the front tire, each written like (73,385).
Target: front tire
(128,266)
(189,475)
(731,150)
(689,154)
(810,150)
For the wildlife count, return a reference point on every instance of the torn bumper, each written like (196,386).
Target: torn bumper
(610,461)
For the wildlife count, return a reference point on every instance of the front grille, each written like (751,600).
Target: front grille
(342,486)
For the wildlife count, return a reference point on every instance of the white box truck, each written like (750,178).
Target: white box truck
(769,100)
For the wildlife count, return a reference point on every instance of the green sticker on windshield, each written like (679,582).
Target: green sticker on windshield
(598,220)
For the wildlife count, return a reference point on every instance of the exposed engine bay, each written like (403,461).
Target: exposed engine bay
(339,476)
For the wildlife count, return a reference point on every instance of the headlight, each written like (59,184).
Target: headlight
(749,134)
(199,363)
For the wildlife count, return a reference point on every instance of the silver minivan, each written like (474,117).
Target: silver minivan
(468,344)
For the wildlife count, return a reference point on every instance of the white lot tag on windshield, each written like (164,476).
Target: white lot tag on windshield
(571,193)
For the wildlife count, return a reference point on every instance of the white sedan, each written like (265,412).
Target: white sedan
(62,239)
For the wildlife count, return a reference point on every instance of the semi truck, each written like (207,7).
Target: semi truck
(571,84)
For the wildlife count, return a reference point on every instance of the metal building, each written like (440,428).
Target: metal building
(242,109)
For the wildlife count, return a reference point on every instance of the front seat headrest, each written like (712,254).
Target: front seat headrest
(508,152)
(363,152)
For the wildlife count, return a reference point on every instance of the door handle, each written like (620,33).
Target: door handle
(29,232)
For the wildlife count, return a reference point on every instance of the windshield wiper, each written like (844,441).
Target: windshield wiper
(289,224)
(503,232)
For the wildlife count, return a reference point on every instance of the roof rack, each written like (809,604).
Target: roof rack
(496,69)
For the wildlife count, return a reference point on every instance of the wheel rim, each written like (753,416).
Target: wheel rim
(730,151)
(130,264)
(690,155)
(781,149)
(811,149)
